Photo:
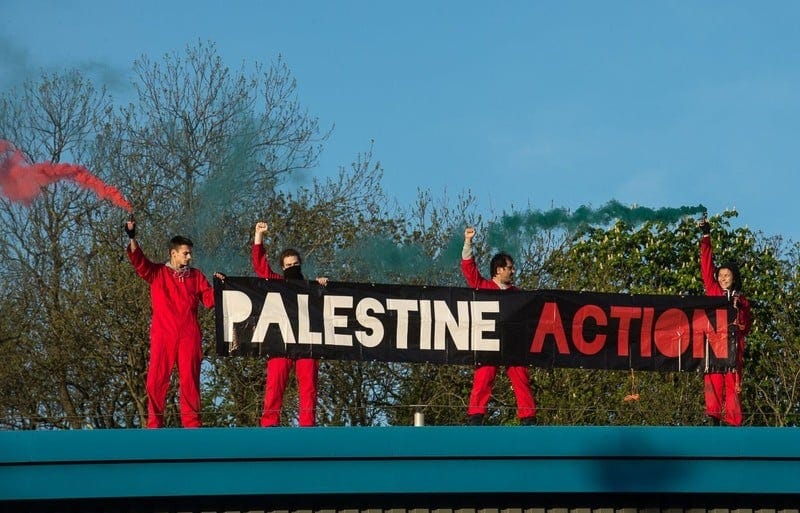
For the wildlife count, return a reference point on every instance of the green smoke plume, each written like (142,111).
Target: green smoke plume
(215,218)
(383,260)
(506,233)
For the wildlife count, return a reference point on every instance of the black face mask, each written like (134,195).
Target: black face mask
(293,273)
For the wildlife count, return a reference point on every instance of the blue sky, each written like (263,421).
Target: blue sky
(526,104)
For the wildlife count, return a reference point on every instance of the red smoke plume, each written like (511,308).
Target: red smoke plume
(22,181)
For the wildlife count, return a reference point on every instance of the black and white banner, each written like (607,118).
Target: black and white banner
(449,325)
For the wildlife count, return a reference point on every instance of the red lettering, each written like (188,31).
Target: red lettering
(672,332)
(717,339)
(625,314)
(647,329)
(581,344)
(669,333)
(550,324)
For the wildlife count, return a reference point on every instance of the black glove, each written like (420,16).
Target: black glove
(130,231)
(705,228)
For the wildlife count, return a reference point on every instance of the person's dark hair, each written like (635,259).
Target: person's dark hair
(733,267)
(498,261)
(178,241)
(287,253)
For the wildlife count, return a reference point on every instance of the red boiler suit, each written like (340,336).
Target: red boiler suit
(279,367)
(174,336)
(722,389)
(484,376)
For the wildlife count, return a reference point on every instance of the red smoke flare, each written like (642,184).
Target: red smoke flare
(22,181)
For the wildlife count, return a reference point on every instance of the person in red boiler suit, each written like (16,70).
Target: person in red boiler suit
(279,367)
(723,389)
(502,269)
(176,289)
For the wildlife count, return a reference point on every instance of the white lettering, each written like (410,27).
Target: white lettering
(273,312)
(458,328)
(403,306)
(304,333)
(425,324)
(481,325)
(236,307)
(373,324)
(332,321)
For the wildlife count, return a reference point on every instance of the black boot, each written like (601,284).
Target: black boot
(713,421)
(475,420)
(528,421)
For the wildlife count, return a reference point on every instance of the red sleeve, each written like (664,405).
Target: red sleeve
(206,291)
(143,266)
(707,268)
(261,265)
(474,279)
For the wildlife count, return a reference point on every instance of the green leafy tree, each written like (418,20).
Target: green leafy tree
(47,249)
(661,258)
(207,151)
(317,221)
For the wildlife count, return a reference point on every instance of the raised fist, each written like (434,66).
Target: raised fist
(469,233)
(130,229)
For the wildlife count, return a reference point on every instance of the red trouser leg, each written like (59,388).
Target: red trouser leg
(189,356)
(278,369)
(163,353)
(714,384)
(521,384)
(482,382)
(306,371)
(733,405)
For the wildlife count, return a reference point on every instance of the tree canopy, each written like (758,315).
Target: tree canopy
(207,151)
